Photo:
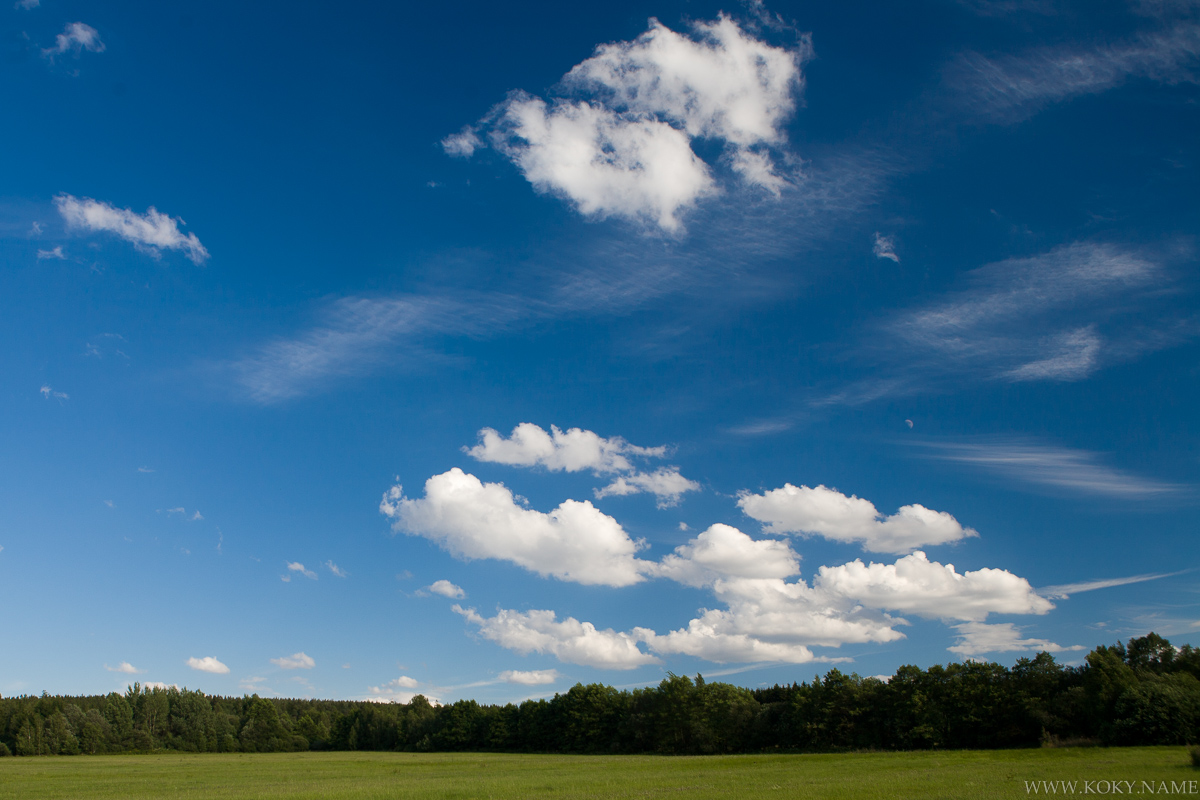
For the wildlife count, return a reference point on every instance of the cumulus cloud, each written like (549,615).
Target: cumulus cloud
(665,483)
(208,664)
(399,690)
(75,38)
(723,551)
(885,247)
(572,450)
(979,638)
(151,232)
(575,450)
(623,147)
(537,677)
(917,585)
(768,618)
(831,514)
(294,661)
(446,589)
(604,163)
(124,667)
(568,640)
(471,519)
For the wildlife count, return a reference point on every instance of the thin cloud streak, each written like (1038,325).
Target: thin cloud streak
(1064,591)
(356,336)
(1010,89)
(1077,471)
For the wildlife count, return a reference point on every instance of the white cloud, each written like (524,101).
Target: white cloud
(1064,591)
(462,144)
(723,551)
(336,570)
(195,517)
(626,150)
(76,37)
(150,232)
(144,469)
(399,690)
(769,619)
(572,450)
(294,661)
(604,163)
(208,664)
(885,247)
(1048,466)
(27,5)
(57,252)
(537,677)
(665,483)
(359,334)
(917,585)
(296,566)
(447,589)
(833,515)
(1073,356)
(978,638)
(471,519)
(159,685)
(569,640)
(35,229)
(48,392)
(1055,316)
(576,449)
(124,667)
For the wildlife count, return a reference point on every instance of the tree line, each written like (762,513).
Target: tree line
(1143,692)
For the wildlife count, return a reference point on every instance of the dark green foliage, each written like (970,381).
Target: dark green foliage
(1144,692)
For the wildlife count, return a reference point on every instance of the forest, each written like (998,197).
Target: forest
(1140,693)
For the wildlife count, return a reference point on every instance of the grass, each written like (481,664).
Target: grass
(398,776)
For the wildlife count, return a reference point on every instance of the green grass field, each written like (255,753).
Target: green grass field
(334,776)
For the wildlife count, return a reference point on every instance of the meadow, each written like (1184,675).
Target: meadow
(347,775)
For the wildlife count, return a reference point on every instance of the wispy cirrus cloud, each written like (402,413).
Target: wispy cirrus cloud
(358,335)
(1050,467)
(1011,88)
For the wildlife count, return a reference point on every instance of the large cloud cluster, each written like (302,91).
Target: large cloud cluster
(767,612)
(622,143)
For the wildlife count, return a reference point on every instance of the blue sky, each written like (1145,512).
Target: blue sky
(481,350)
